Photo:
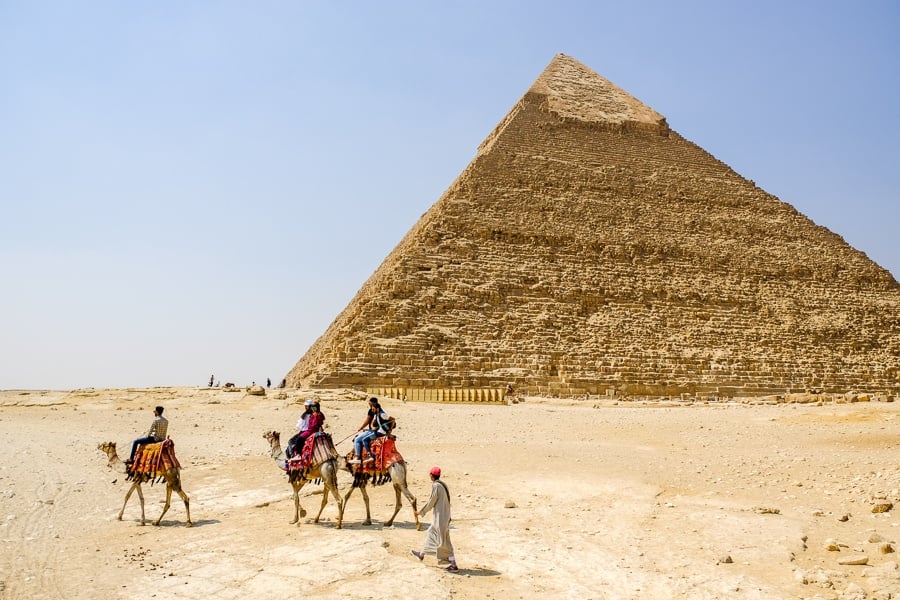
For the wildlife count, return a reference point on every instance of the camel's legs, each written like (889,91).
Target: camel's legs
(322,507)
(187,506)
(413,503)
(401,487)
(166,505)
(134,486)
(173,483)
(347,497)
(365,495)
(340,503)
(299,511)
(390,521)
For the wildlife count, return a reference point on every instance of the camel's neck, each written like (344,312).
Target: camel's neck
(115,463)
(277,454)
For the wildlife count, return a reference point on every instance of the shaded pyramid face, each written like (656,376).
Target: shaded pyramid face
(588,247)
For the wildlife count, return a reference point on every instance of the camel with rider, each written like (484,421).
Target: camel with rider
(142,471)
(326,471)
(387,465)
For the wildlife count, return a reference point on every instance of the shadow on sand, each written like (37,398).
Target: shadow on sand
(475,572)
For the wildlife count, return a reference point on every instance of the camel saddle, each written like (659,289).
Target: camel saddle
(317,449)
(384,453)
(151,461)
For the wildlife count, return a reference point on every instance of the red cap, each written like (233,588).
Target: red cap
(436,471)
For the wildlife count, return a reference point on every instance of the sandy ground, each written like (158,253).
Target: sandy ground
(555,498)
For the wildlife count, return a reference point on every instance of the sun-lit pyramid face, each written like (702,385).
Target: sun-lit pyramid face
(573,91)
(587,248)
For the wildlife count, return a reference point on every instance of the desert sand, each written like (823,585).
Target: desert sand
(551,498)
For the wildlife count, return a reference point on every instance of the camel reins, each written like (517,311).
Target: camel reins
(346,438)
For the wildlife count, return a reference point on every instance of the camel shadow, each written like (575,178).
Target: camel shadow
(396,525)
(476,572)
(195,524)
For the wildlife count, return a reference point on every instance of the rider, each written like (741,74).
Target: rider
(313,426)
(157,433)
(294,444)
(377,424)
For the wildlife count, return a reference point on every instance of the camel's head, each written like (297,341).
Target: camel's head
(343,464)
(272,436)
(107,447)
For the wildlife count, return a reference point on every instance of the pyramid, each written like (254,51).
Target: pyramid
(587,248)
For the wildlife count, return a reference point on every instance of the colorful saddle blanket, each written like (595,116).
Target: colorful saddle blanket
(317,449)
(151,461)
(384,452)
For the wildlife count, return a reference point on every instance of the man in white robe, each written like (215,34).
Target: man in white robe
(437,538)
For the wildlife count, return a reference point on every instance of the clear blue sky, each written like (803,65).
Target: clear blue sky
(200,187)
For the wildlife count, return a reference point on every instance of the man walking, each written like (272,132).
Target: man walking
(437,539)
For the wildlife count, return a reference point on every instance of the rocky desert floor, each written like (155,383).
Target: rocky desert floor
(551,498)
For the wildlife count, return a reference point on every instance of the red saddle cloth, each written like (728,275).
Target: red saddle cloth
(151,461)
(317,449)
(384,451)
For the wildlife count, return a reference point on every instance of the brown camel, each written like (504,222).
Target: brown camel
(396,473)
(326,471)
(173,483)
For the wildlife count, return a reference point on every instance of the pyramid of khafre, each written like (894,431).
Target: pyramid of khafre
(589,247)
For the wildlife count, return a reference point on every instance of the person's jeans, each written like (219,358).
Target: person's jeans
(364,439)
(138,442)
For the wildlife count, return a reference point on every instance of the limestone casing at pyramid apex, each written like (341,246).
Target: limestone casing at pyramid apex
(574,91)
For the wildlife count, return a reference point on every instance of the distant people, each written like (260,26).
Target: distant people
(294,444)
(283,383)
(437,538)
(157,432)
(268,382)
(377,424)
(510,390)
(211,379)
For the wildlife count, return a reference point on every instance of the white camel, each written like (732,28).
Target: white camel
(171,474)
(326,471)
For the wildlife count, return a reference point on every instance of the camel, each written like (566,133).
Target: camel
(173,483)
(326,471)
(396,472)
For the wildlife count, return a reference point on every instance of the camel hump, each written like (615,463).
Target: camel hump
(323,448)
(318,449)
(154,460)
(384,454)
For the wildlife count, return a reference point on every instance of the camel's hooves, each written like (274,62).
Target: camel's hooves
(156,523)
(389,523)
(367,522)
(418,527)
(188,524)
(294,521)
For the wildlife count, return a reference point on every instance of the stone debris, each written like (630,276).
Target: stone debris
(882,507)
(853,592)
(858,559)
